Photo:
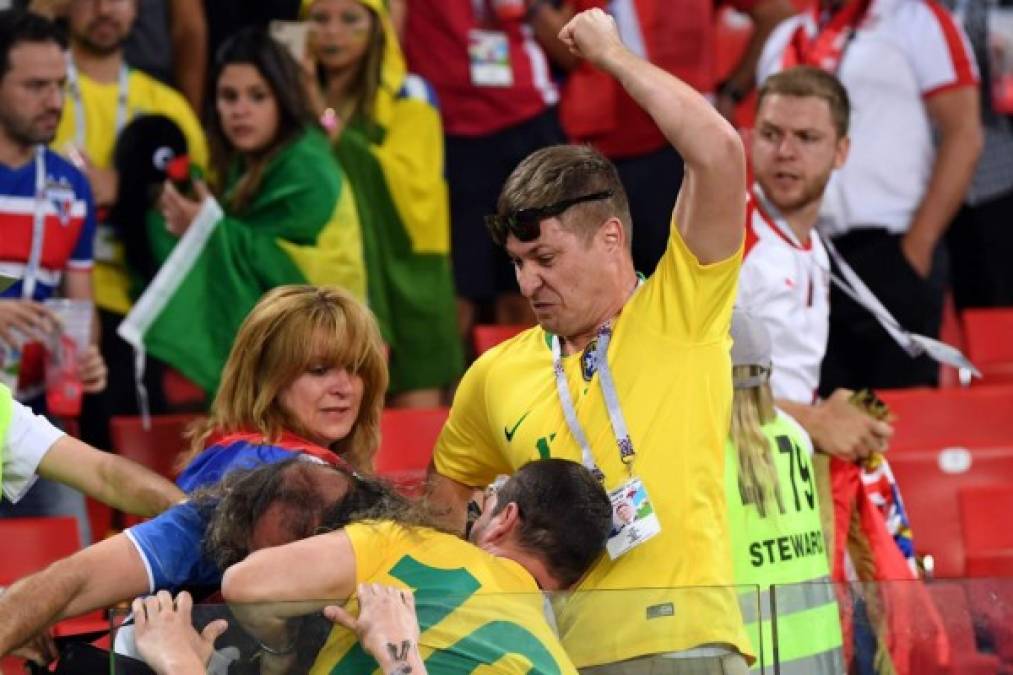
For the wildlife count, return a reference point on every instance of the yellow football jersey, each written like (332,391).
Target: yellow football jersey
(478,613)
(670,360)
(145,95)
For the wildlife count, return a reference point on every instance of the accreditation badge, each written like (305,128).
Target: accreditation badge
(489,56)
(634,520)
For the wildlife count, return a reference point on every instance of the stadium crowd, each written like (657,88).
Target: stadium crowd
(287,216)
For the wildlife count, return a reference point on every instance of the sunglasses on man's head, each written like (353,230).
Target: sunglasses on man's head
(525,224)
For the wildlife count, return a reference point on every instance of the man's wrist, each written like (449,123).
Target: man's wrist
(398,657)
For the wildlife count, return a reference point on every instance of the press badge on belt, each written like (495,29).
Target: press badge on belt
(633,518)
(489,56)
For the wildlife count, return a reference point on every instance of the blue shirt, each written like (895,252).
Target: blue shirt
(171,544)
(68,240)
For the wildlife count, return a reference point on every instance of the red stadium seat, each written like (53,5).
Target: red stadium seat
(156,448)
(951,599)
(930,483)
(988,539)
(31,544)
(101,517)
(407,439)
(181,393)
(486,336)
(929,419)
(989,337)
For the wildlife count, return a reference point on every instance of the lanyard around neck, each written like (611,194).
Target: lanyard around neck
(74,89)
(615,413)
(827,47)
(849,283)
(38,225)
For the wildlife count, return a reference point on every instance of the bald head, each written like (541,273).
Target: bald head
(271,505)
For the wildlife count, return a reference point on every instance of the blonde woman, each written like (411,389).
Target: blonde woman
(388,137)
(305,378)
(774,519)
(307,372)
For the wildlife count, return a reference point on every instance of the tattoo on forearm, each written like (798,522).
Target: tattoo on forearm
(399,653)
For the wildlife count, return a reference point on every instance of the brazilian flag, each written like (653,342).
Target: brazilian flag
(300,226)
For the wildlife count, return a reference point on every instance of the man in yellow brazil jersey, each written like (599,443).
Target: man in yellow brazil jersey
(479,604)
(630,377)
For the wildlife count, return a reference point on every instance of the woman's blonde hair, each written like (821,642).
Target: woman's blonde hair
(752,407)
(291,328)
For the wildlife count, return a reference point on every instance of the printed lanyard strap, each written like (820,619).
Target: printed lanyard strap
(615,413)
(849,283)
(38,225)
(827,48)
(74,86)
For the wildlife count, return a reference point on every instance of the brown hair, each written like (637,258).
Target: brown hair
(753,407)
(565,515)
(559,172)
(288,330)
(236,503)
(802,81)
(254,47)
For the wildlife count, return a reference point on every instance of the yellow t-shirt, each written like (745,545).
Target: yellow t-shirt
(670,361)
(478,613)
(145,95)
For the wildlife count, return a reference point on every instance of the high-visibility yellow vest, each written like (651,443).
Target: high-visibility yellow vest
(784,555)
(6,410)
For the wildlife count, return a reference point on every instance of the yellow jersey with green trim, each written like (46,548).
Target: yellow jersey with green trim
(145,95)
(477,612)
(669,358)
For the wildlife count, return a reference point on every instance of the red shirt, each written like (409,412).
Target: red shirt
(676,35)
(436,46)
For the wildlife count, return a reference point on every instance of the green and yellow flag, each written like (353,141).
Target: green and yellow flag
(301,226)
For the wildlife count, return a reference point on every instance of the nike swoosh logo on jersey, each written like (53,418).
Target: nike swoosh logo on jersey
(509,433)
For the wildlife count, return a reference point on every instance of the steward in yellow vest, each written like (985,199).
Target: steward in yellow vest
(774,518)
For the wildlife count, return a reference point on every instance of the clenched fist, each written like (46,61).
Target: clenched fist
(592,35)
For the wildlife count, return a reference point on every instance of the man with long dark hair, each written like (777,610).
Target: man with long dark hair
(479,603)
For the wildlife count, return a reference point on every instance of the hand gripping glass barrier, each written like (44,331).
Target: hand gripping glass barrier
(460,632)
(902,627)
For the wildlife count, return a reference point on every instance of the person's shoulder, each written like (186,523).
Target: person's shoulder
(59,166)
(157,94)
(307,154)
(912,18)
(61,169)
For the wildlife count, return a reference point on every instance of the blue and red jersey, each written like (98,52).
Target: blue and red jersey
(171,544)
(69,234)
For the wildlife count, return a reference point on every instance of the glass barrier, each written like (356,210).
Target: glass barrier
(483,633)
(943,626)
(902,628)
